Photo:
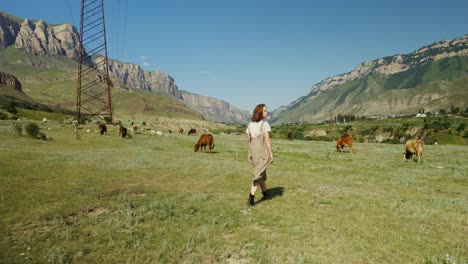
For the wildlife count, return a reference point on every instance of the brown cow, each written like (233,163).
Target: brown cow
(290,135)
(192,131)
(102,128)
(205,140)
(181,130)
(413,146)
(345,139)
(123,131)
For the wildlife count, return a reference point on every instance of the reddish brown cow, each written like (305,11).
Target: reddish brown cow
(345,139)
(413,146)
(181,130)
(205,140)
(290,135)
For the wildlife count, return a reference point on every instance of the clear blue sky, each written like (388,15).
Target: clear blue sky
(250,51)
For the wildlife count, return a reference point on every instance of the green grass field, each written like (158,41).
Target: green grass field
(150,199)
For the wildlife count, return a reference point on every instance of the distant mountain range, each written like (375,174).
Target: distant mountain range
(433,77)
(43,58)
(215,109)
(58,45)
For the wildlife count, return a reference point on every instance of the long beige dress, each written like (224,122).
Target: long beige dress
(260,156)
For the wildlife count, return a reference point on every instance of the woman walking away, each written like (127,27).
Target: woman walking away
(260,153)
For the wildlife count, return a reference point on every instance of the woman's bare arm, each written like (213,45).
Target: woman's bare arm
(249,157)
(268,144)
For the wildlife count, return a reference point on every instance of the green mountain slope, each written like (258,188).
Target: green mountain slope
(52,80)
(432,86)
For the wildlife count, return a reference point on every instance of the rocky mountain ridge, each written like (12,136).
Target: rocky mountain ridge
(41,38)
(9,29)
(215,109)
(133,77)
(38,37)
(384,67)
(398,63)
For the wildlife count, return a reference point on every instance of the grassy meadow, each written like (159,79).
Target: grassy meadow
(88,198)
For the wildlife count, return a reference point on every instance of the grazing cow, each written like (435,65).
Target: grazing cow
(345,139)
(181,130)
(123,131)
(290,135)
(413,146)
(192,131)
(205,140)
(102,129)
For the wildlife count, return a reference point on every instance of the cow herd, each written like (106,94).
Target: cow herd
(411,147)
(206,140)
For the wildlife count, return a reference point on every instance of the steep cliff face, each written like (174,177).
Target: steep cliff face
(40,38)
(135,78)
(215,109)
(9,28)
(10,81)
(393,72)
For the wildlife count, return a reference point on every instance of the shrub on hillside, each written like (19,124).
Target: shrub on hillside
(32,129)
(10,107)
(298,134)
(18,127)
(345,129)
(388,130)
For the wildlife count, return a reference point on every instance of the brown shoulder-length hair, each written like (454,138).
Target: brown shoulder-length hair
(258,113)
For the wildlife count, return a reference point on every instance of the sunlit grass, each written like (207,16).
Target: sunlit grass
(153,199)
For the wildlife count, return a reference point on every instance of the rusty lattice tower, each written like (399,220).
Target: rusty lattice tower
(93,92)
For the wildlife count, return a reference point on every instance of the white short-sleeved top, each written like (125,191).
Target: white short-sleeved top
(254,128)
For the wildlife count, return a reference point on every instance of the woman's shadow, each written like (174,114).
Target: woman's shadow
(272,193)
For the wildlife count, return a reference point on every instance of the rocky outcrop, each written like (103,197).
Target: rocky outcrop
(9,28)
(135,78)
(41,38)
(10,81)
(215,109)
